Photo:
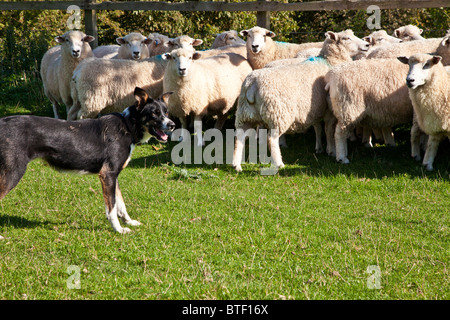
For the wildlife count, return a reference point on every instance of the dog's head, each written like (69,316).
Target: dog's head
(152,116)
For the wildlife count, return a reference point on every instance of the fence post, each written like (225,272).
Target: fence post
(263,18)
(90,23)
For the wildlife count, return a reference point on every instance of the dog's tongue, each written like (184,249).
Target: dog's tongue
(162,135)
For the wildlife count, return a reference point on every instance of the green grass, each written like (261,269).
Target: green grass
(309,232)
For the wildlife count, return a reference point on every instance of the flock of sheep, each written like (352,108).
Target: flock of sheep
(346,83)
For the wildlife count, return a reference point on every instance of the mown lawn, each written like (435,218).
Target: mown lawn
(312,231)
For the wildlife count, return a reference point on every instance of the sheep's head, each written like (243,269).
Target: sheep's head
(347,41)
(75,43)
(420,66)
(408,33)
(381,37)
(135,45)
(229,38)
(256,38)
(182,60)
(184,42)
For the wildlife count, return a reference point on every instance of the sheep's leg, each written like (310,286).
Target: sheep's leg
(330,127)
(220,121)
(415,141)
(432,148)
(73,112)
(198,130)
(283,142)
(184,135)
(275,151)
(388,137)
(367,137)
(239,146)
(340,137)
(56,107)
(318,131)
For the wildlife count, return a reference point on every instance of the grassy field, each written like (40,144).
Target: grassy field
(315,230)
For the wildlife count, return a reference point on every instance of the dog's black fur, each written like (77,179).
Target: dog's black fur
(100,146)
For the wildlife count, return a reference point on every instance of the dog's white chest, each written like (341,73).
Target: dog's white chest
(129,157)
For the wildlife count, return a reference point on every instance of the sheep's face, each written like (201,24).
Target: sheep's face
(379,38)
(348,41)
(74,42)
(182,60)
(256,38)
(230,38)
(184,42)
(408,33)
(420,66)
(134,44)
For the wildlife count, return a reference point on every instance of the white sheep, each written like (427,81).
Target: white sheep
(405,48)
(132,46)
(107,85)
(261,49)
(57,66)
(371,93)
(227,38)
(408,33)
(202,87)
(429,89)
(291,98)
(162,44)
(443,50)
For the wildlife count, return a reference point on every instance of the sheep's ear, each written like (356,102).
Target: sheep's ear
(88,39)
(420,31)
(446,41)
(436,59)
(397,33)
(141,97)
(120,41)
(147,41)
(166,56)
(59,39)
(165,97)
(270,34)
(196,55)
(369,39)
(403,59)
(244,33)
(197,42)
(331,35)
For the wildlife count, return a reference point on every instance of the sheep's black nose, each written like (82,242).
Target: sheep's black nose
(136,53)
(409,82)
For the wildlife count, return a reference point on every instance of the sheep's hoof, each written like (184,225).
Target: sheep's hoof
(343,161)
(417,157)
(429,166)
(238,168)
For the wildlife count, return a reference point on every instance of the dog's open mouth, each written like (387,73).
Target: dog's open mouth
(159,135)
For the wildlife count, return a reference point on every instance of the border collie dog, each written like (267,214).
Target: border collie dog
(98,146)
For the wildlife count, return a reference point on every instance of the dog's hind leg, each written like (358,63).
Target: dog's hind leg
(10,176)
(109,181)
(122,210)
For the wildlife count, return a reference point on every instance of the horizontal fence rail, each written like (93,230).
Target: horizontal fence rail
(225,6)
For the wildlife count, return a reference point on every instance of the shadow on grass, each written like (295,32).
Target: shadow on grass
(299,158)
(21,222)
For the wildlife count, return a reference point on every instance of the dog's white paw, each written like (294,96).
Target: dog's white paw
(133,223)
(124,230)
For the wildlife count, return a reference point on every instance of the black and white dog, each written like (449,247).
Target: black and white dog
(100,146)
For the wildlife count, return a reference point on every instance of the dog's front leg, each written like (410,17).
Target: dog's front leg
(109,180)
(122,210)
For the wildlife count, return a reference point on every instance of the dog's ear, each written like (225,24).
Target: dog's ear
(165,97)
(141,97)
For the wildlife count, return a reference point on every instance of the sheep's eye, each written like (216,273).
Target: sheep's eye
(345,38)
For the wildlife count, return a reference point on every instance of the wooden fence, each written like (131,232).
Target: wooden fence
(261,7)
